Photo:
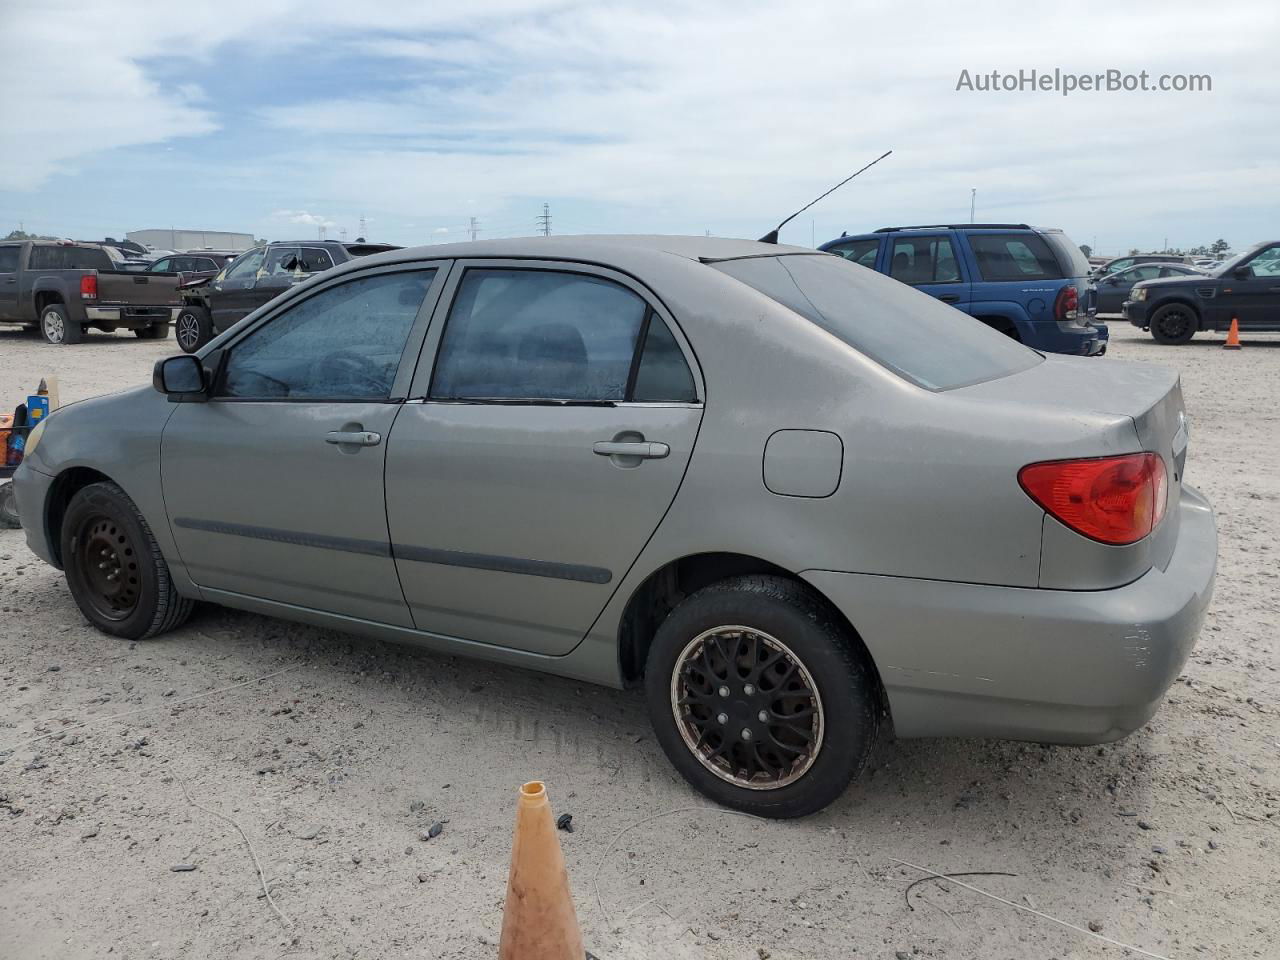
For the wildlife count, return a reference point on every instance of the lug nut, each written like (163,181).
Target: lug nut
(724,691)
(723,718)
(746,733)
(764,716)
(749,689)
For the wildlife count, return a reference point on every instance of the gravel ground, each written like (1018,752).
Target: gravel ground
(337,766)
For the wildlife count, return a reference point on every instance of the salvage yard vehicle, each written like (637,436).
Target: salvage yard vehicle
(65,288)
(789,497)
(1113,289)
(1031,284)
(213,305)
(1246,288)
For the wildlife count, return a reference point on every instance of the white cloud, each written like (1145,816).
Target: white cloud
(305,218)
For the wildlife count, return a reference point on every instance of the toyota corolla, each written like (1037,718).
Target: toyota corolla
(789,497)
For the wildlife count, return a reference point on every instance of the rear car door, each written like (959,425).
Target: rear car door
(231,298)
(862,252)
(535,460)
(929,263)
(274,487)
(9,280)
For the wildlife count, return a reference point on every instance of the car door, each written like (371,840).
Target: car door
(539,453)
(231,297)
(1113,290)
(928,262)
(9,280)
(1251,291)
(274,486)
(280,271)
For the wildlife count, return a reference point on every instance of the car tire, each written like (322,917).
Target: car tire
(57,328)
(806,665)
(1174,324)
(114,568)
(193,328)
(157,331)
(9,507)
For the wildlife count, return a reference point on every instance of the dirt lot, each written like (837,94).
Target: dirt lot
(334,768)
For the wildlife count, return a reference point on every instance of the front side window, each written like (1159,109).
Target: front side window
(923,260)
(282,261)
(246,266)
(162,266)
(861,252)
(538,335)
(8,259)
(1023,256)
(343,343)
(1267,263)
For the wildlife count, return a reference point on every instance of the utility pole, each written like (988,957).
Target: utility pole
(544,221)
(362,233)
(320,232)
(973,203)
(474,228)
(343,234)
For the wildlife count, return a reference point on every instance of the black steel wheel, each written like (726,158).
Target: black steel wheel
(114,568)
(762,697)
(1174,324)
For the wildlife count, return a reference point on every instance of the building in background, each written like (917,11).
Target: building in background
(191,239)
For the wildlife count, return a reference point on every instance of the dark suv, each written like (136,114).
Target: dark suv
(253,278)
(1246,288)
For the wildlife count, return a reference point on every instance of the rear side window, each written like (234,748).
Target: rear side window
(69,258)
(1019,256)
(663,373)
(923,260)
(538,335)
(315,259)
(861,252)
(8,259)
(908,332)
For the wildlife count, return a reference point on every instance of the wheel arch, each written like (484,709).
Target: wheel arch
(66,485)
(1002,323)
(664,588)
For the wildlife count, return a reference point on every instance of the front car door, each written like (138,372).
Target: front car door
(929,263)
(534,462)
(274,486)
(1113,289)
(230,294)
(1253,298)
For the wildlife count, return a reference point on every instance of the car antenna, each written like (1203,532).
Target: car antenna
(772,235)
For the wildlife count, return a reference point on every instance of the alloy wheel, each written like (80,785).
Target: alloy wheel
(747,707)
(55,330)
(188,331)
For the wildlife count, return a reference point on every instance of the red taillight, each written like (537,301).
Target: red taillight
(89,286)
(1067,303)
(1116,500)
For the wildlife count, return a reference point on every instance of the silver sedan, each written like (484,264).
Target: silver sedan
(791,498)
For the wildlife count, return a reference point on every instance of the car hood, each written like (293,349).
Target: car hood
(1195,280)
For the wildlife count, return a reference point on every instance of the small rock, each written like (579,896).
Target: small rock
(1213,844)
(1160,850)
(416,806)
(424,877)
(762,953)
(89,834)
(408,851)
(565,822)
(1143,825)
(435,830)
(902,955)
(1095,926)
(357,859)
(310,833)
(169,693)
(183,867)
(54,668)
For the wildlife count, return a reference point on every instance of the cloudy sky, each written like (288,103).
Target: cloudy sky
(278,117)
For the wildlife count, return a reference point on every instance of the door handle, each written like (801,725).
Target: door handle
(644,449)
(949,297)
(360,438)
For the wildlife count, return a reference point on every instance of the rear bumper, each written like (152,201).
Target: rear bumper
(131,316)
(1070,338)
(1054,666)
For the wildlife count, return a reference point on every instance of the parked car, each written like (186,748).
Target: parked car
(1113,289)
(210,306)
(1116,264)
(1246,288)
(193,266)
(782,493)
(1030,284)
(64,287)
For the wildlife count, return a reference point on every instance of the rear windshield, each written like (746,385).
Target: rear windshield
(1071,257)
(908,332)
(1015,256)
(69,258)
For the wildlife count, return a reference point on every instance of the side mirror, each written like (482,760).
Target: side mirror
(180,378)
(1243,273)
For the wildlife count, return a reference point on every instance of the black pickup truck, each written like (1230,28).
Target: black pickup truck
(1246,288)
(253,278)
(64,288)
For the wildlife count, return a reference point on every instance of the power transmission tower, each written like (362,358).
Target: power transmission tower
(544,221)
(474,228)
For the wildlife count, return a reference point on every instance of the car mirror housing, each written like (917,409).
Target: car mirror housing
(1242,273)
(180,378)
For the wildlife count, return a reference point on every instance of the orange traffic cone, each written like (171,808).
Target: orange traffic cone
(538,922)
(1233,336)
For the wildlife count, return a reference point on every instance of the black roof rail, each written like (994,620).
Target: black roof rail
(957,226)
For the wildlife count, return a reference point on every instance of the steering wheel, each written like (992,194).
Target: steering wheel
(348,366)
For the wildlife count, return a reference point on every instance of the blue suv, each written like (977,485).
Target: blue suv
(1030,283)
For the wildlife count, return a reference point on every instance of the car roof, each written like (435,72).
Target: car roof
(594,246)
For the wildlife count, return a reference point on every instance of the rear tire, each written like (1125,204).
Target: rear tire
(762,646)
(193,328)
(115,571)
(57,328)
(1174,324)
(157,331)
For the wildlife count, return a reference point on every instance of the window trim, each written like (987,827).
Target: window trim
(222,347)
(420,390)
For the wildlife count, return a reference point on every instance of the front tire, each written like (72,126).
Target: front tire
(761,697)
(9,507)
(114,568)
(193,328)
(57,328)
(1174,324)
